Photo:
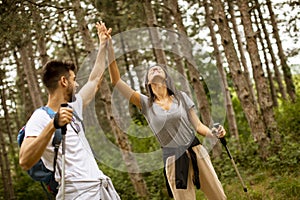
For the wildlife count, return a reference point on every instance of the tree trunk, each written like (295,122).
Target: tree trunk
(122,141)
(264,98)
(82,25)
(34,89)
(8,123)
(290,87)
(271,51)
(155,36)
(2,167)
(121,138)
(240,47)
(254,118)
(194,75)
(125,56)
(70,44)
(40,35)
(270,75)
(4,160)
(25,99)
(176,51)
(229,108)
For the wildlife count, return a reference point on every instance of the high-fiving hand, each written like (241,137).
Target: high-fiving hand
(103,33)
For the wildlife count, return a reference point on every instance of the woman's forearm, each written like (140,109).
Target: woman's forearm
(198,125)
(114,73)
(113,67)
(116,80)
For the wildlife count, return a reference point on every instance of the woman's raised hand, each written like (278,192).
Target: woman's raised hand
(103,33)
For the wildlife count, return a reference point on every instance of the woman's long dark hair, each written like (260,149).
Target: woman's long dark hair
(171,89)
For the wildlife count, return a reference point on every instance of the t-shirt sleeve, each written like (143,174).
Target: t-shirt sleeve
(37,122)
(189,102)
(77,105)
(144,103)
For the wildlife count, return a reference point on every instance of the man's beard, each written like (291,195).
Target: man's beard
(71,94)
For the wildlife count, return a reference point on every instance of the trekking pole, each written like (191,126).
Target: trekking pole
(63,134)
(223,141)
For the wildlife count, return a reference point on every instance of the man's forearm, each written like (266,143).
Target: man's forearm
(89,90)
(99,66)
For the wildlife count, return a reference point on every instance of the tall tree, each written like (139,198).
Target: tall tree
(155,36)
(231,10)
(23,43)
(242,88)
(24,100)
(125,148)
(173,38)
(271,51)
(186,48)
(269,73)
(4,154)
(229,108)
(8,121)
(30,74)
(262,87)
(40,34)
(290,87)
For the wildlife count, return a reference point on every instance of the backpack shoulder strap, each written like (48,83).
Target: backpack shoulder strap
(57,135)
(49,111)
(77,117)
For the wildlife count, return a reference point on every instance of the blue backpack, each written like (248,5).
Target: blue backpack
(39,172)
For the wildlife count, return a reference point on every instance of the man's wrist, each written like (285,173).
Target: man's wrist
(55,121)
(103,43)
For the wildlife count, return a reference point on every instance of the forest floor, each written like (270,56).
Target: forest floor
(262,185)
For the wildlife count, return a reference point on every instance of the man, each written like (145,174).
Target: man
(83,178)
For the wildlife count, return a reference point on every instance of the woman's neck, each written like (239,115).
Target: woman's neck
(160,91)
(162,98)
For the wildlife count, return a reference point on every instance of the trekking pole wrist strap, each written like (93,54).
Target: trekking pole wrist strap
(55,121)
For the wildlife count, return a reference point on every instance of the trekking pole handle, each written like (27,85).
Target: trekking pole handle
(223,140)
(64,127)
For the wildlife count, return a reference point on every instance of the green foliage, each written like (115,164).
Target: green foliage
(26,188)
(243,127)
(121,182)
(288,119)
(275,178)
(290,186)
(142,138)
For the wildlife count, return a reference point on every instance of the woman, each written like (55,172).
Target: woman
(170,114)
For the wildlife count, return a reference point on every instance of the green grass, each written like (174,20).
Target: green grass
(262,186)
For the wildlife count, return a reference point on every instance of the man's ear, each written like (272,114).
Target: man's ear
(64,81)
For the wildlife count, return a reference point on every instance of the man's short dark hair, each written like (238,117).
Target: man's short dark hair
(54,70)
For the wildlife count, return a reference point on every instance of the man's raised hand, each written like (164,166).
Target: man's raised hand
(103,33)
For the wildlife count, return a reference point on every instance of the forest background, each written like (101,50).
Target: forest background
(238,60)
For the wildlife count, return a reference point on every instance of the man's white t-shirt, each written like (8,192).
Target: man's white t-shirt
(80,164)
